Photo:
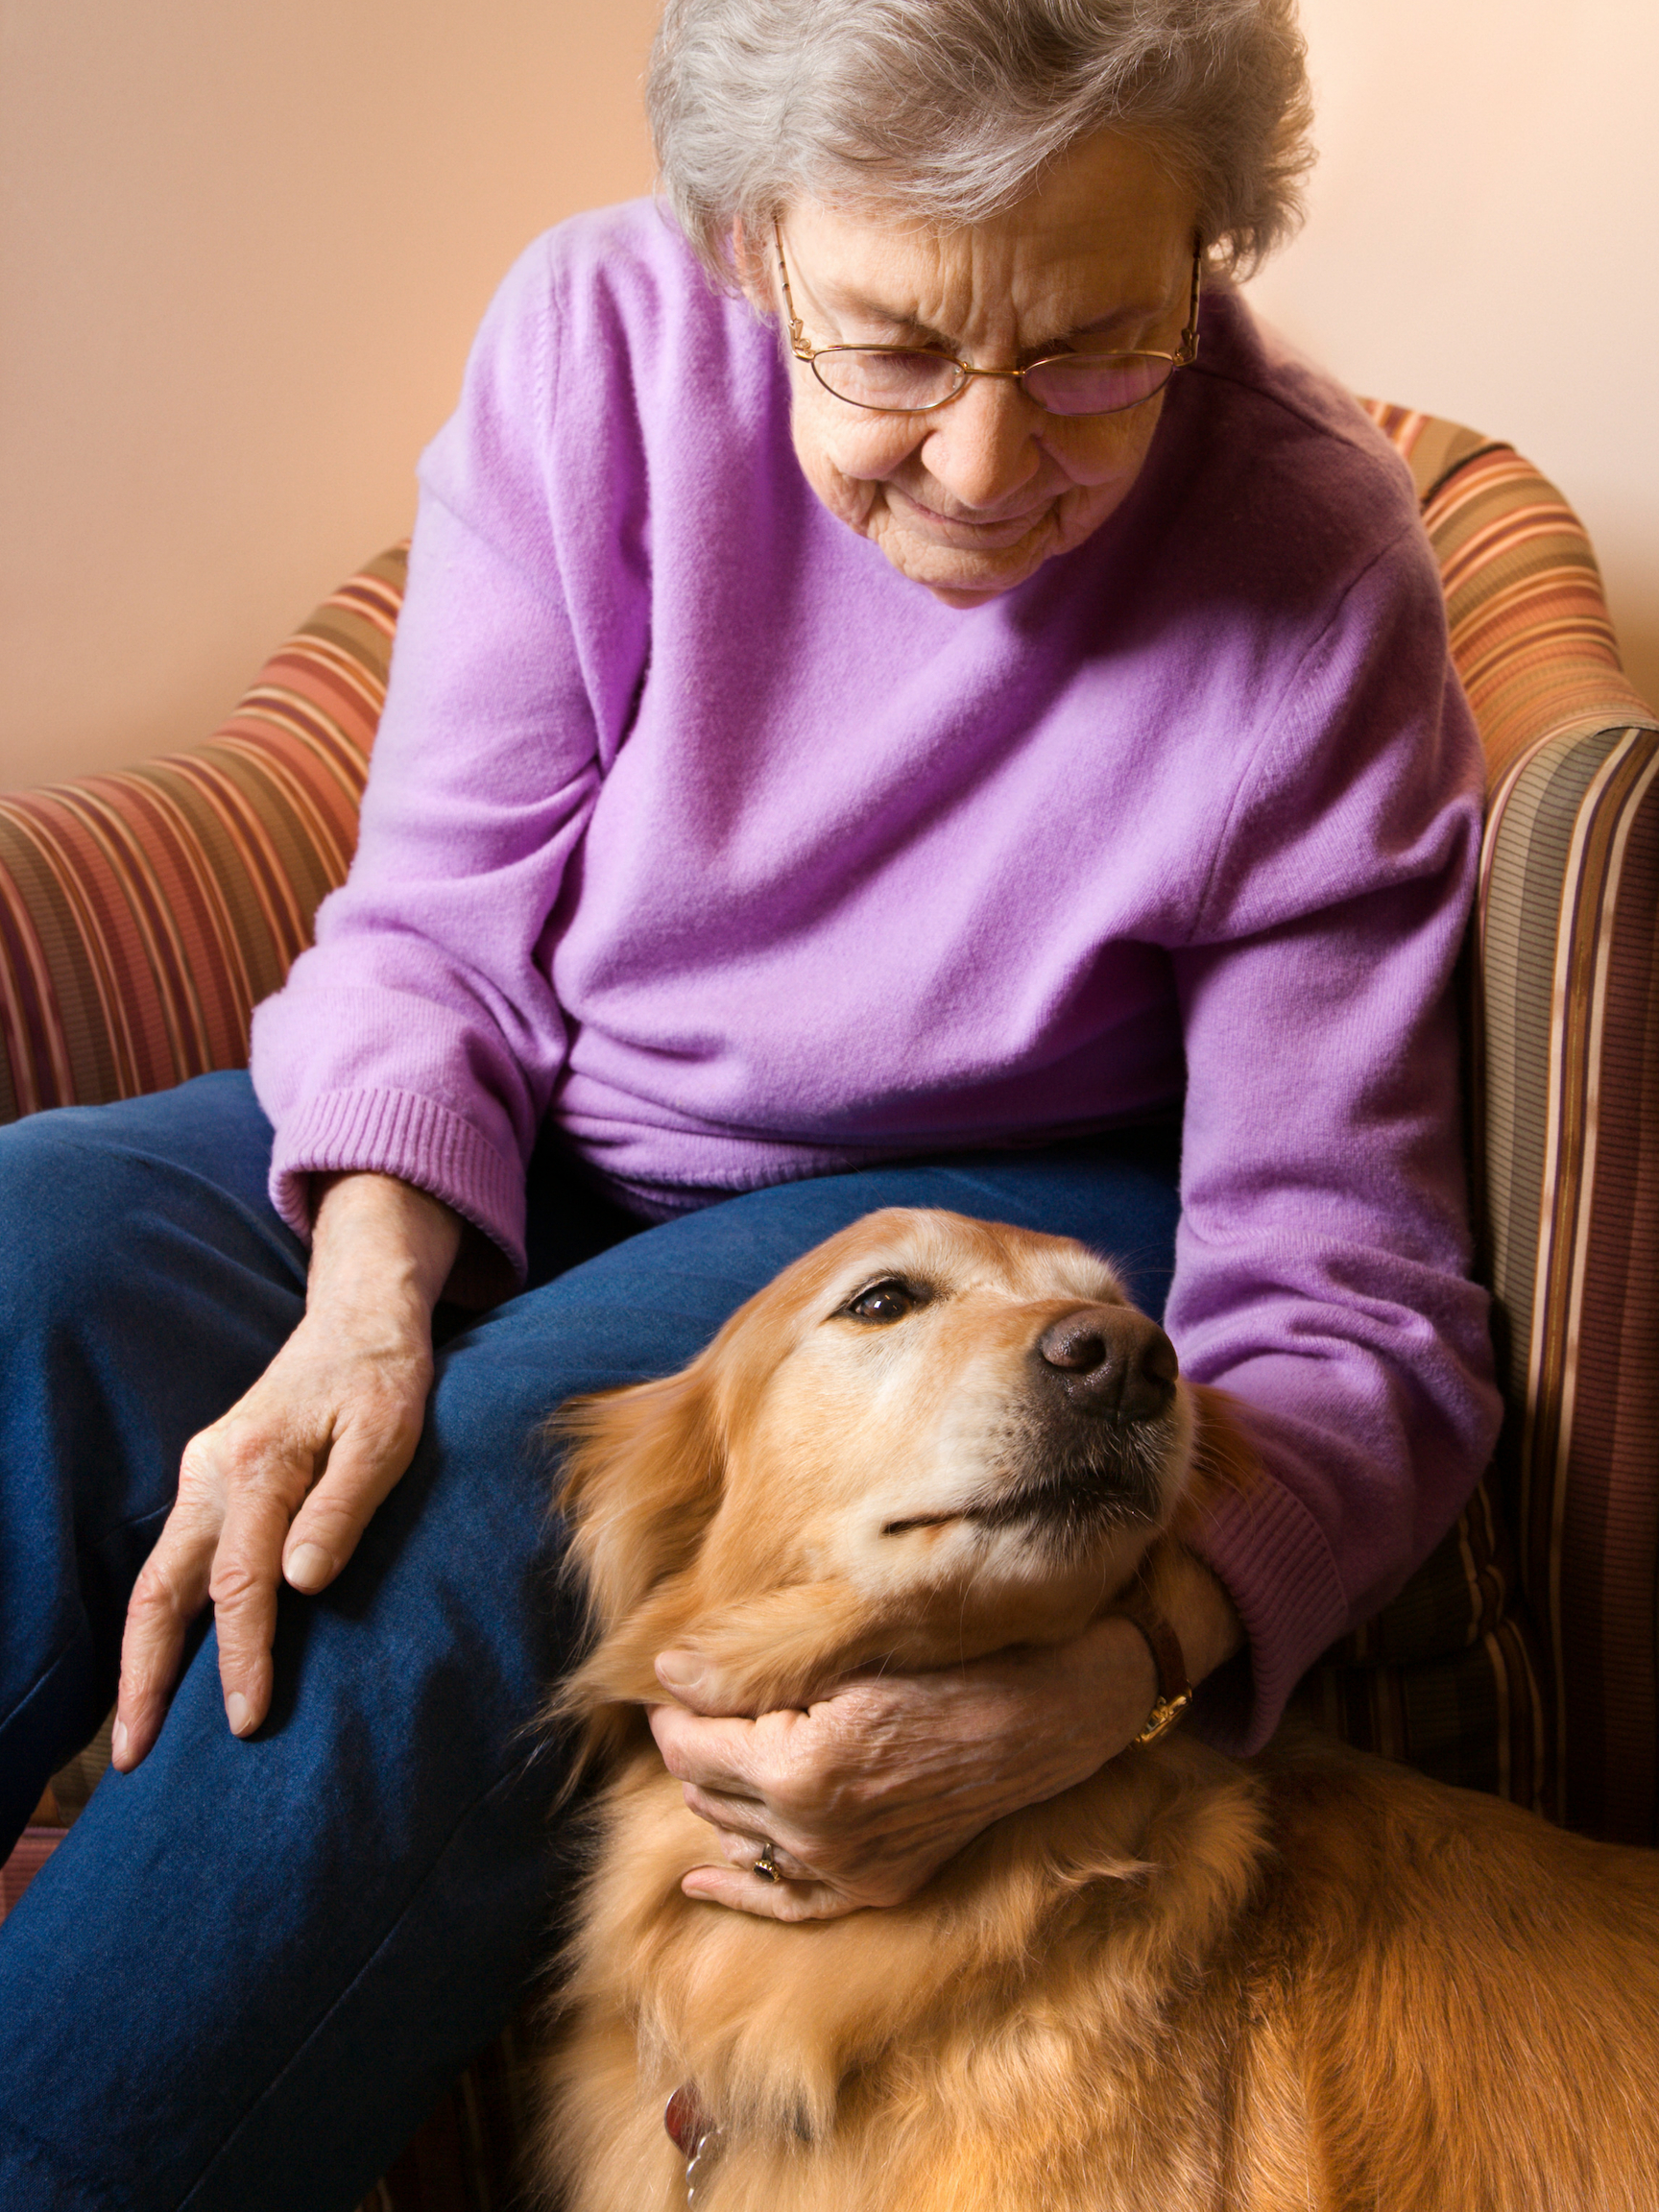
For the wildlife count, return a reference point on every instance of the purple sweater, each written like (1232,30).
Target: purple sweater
(696,826)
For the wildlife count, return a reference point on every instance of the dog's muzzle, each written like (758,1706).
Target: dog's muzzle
(1088,1444)
(1111,1362)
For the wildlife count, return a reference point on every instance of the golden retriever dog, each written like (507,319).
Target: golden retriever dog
(1309,1982)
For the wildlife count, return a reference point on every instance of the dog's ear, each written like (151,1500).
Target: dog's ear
(643,1474)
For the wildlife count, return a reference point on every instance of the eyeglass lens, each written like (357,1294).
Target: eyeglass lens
(1069,384)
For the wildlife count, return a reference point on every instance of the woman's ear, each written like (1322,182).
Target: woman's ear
(642,1474)
(755,269)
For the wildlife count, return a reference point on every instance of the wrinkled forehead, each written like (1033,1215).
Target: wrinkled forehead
(951,1256)
(1107,238)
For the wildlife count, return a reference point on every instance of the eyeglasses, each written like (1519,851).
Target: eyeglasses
(916,379)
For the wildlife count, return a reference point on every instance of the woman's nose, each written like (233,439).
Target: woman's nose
(983,447)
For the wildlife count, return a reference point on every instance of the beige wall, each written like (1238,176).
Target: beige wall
(1481,245)
(242,246)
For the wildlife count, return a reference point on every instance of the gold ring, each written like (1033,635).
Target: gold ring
(766,1865)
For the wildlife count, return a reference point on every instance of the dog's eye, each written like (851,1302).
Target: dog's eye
(888,1301)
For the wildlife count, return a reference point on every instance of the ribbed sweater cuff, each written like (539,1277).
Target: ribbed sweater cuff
(417,1139)
(1274,1560)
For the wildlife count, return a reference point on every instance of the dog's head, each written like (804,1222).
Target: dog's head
(929,1438)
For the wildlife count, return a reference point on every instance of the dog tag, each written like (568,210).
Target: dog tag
(694,2135)
(701,2163)
(683,2120)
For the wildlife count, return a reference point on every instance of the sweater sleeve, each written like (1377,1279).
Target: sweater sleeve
(419,1037)
(1322,1255)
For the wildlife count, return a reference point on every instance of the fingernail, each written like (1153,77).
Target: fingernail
(237,1712)
(678,1671)
(308,1567)
(118,1741)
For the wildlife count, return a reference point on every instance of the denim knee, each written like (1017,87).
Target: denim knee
(98,1202)
(63,1197)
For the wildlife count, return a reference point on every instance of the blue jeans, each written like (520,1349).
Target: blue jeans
(243,1978)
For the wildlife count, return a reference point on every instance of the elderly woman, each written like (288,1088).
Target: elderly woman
(906,695)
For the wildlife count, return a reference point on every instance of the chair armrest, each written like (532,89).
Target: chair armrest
(1568,1100)
(1564,1040)
(144,914)
(1566,1105)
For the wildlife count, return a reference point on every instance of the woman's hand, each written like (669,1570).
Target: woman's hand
(285,1483)
(866,1793)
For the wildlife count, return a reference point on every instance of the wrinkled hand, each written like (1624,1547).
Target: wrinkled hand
(285,1483)
(867,1793)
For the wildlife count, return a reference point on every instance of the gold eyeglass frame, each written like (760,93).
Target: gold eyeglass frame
(803,349)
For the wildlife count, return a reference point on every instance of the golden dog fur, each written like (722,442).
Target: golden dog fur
(1309,1982)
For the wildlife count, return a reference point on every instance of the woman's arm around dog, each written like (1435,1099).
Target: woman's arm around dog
(867,1793)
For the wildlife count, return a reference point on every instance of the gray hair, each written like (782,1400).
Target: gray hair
(953,109)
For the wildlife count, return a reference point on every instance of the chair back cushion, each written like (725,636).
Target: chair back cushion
(144,914)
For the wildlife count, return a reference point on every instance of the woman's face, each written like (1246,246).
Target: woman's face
(971,500)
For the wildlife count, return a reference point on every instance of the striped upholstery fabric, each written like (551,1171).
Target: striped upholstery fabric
(1530,631)
(33,1847)
(143,915)
(1553,1700)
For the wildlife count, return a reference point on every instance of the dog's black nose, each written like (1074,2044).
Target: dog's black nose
(1111,1359)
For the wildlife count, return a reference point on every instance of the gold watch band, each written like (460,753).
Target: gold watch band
(1174,1690)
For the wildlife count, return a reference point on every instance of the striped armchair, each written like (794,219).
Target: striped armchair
(143,914)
